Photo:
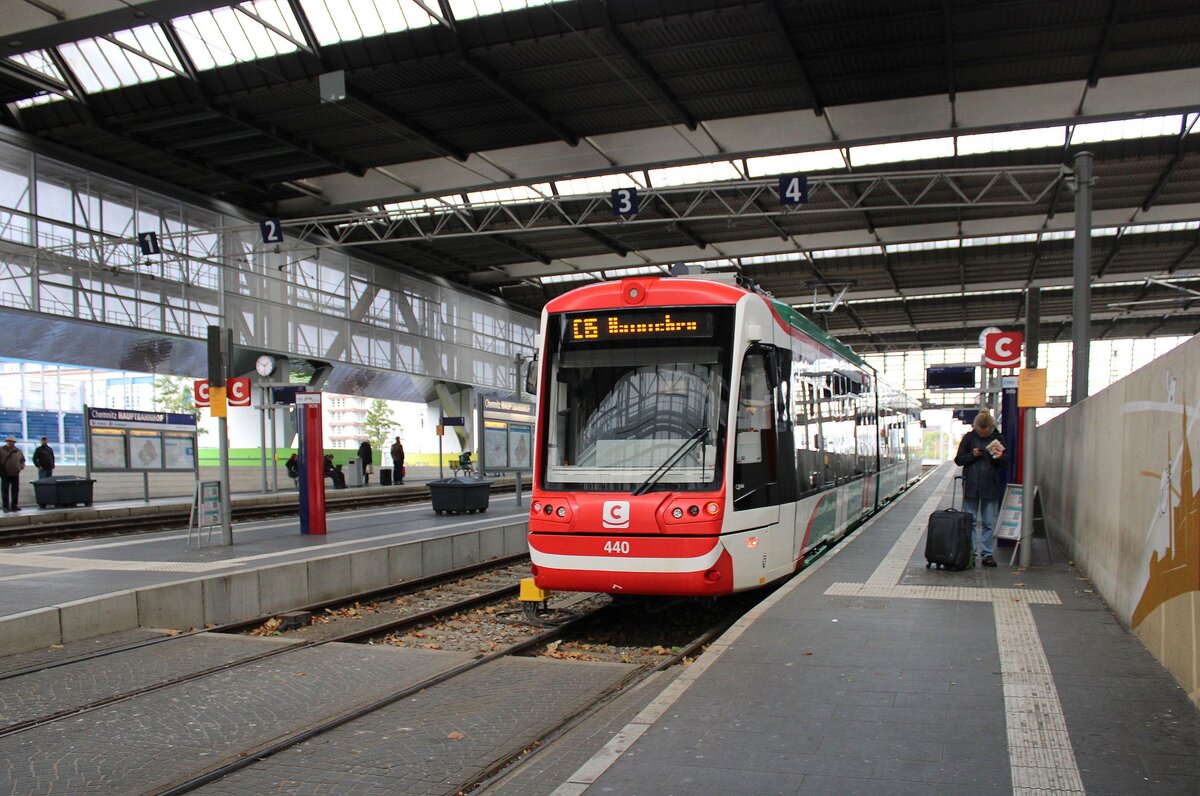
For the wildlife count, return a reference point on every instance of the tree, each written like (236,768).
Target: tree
(379,424)
(173,394)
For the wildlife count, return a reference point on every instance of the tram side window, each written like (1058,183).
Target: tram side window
(755,456)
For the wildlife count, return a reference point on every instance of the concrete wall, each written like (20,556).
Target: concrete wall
(221,599)
(1120,486)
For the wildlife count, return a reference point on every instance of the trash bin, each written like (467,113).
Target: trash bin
(385,476)
(354,475)
(63,490)
(460,495)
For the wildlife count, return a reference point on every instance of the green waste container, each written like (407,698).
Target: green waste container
(462,495)
(63,490)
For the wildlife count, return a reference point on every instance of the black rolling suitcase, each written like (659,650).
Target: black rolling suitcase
(950,537)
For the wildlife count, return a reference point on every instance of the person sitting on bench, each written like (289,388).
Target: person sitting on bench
(334,473)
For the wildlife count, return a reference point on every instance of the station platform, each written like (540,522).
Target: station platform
(869,674)
(31,515)
(63,591)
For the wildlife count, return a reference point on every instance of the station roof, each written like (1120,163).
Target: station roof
(479,140)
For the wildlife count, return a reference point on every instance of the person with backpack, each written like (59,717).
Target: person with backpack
(12,462)
(398,461)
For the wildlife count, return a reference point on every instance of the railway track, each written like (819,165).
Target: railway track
(175,519)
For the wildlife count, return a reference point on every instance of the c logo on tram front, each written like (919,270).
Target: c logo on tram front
(616,514)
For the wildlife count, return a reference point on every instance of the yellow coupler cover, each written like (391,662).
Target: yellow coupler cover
(530,593)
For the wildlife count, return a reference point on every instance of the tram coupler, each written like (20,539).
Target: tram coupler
(533,599)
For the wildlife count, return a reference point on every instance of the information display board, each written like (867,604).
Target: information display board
(506,433)
(131,441)
(1008,523)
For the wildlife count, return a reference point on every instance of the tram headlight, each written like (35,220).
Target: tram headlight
(562,511)
(677,513)
(711,508)
(694,511)
(537,507)
(549,509)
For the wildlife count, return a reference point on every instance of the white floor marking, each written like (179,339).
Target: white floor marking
(891,568)
(590,771)
(255,525)
(65,563)
(1041,760)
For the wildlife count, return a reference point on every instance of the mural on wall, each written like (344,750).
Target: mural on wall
(1176,571)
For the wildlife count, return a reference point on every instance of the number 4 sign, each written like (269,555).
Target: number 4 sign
(793,189)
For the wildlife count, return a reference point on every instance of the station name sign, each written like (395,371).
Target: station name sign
(517,407)
(127,418)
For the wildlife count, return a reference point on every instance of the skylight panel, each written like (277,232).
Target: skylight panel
(557,279)
(1038,138)
(921,246)
(466,9)
(39,61)
(334,21)
(764,259)
(1121,129)
(717,171)
(642,270)
(45,98)
(796,163)
(514,195)
(994,240)
(128,57)
(902,151)
(1177,226)
(851,251)
(600,184)
(234,34)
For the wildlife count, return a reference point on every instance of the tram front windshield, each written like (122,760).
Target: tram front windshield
(636,396)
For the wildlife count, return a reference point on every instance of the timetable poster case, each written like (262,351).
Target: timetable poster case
(124,440)
(506,425)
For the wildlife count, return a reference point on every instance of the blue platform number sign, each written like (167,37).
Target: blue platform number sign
(272,230)
(625,202)
(148,243)
(793,189)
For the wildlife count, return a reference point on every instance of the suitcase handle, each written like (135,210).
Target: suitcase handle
(956,490)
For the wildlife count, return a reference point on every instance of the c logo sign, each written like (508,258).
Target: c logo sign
(616,514)
(239,392)
(200,392)
(1003,349)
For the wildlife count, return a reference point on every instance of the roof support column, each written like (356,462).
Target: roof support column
(1082,307)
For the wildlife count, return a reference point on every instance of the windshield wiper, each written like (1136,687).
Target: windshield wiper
(672,460)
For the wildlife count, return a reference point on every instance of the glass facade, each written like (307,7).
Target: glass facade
(68,248)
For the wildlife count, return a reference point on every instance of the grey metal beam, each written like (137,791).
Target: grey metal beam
(1093,77)
(1176,159)
(622,44)
(1081,314)
(36,82)
(605,240)
(797,59)
(948,29)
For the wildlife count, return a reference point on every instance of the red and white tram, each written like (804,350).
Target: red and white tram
(696,437)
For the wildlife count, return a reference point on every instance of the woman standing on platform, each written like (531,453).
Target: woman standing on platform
(981,455)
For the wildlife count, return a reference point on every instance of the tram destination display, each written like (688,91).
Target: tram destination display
(666,324)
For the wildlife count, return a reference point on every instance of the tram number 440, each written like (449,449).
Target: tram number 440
(617,547)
